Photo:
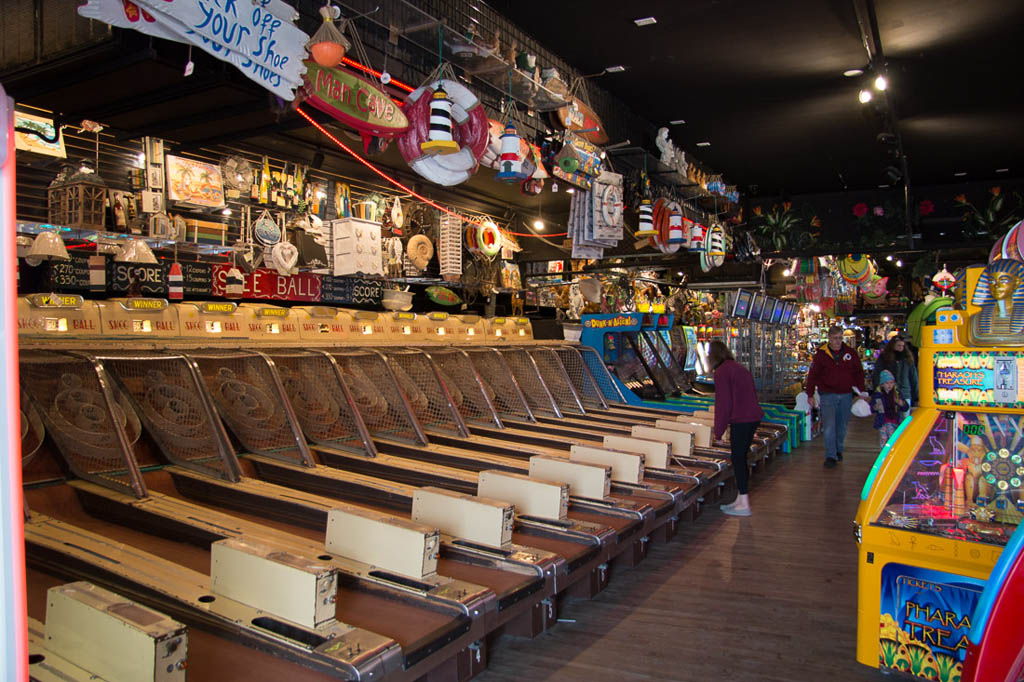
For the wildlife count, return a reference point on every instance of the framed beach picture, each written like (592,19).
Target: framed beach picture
(194,183)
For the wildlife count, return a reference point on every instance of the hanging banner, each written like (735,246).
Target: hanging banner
(253,36)
(268,285)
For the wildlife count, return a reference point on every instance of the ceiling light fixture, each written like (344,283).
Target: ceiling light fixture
(899,263)
(703,144)
(787,272)
(538,224)
(864,96)
(646,21)
(618,68)
(883,187)
(850,73)
(889,258)
(677,122)
(1002,170)
(959,174)
(881,83)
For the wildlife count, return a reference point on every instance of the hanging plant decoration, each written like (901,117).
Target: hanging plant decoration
(329,44)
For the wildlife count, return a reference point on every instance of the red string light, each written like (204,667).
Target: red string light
(402,187)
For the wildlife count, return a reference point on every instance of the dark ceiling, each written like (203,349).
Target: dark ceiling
(762,81)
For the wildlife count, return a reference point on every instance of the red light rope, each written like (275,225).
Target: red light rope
(366,69)
(402,187)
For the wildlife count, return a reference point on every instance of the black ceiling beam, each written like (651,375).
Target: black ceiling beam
(46,78)
(162,95)
(162,127)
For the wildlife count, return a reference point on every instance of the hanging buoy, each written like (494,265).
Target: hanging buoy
(328,44)
(646,220)
(675,228)
(175,282)
(440,140)
(234,283)
(510,166)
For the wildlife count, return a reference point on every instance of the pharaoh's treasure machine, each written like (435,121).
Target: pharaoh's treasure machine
(945,494)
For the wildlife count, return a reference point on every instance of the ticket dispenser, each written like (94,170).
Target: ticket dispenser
(388,542)
(499,330)
(270,324)
(471,330)
(138,318)
(403,328)
(48,318)
(441,328)
(475,519)
(212,322)
(366,328)
(321,325)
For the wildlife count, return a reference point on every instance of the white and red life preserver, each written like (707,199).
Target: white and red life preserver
(469,130)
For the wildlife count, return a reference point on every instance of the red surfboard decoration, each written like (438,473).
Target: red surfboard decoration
(353,101)
(581,117)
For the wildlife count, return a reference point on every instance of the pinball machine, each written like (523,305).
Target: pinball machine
(945,494)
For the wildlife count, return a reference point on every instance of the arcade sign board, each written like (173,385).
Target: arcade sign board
(978,379)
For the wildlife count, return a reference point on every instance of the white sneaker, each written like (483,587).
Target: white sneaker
(731,510)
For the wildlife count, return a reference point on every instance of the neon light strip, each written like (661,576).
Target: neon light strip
(402,187)
(881,457)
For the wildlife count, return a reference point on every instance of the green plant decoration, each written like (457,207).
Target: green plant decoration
(946,668)
(781,227)
(994,219)
(888,649)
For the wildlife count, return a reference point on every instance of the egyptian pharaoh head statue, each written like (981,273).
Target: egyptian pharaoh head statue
(1000,295)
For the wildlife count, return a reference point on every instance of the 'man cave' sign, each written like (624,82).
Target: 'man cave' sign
(354,101)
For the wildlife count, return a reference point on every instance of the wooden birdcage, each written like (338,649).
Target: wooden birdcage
(80,200)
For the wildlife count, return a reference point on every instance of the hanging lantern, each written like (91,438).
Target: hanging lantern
(697,232)
(440,140)
(510,166)
(77,198)
(328,45)
(675,228)
(646,220)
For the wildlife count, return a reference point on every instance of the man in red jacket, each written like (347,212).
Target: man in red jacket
(837,373)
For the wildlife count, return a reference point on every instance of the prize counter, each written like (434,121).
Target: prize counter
(945,494)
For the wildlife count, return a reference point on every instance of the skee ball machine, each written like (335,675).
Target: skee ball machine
(945,493)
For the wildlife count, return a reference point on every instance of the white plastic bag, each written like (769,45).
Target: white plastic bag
(860,408)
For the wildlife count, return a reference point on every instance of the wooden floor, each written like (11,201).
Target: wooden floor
(771,597)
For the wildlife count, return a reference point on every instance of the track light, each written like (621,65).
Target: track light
(894,174)
(899,263)
(881,83)
(787,272)
(889,258)
(538,224)
(865,96)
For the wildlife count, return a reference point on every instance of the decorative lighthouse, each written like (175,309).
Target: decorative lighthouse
(646,220)
(439,139)
(510,166)
(675,228)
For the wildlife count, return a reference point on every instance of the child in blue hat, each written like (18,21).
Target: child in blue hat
(887,405)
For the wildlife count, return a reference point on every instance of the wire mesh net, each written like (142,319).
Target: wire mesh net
(242,386)
(669,357)
(533,387)
(67,393)
(376,394)
(580,377)
(602,377)
(557,381)
(319,399)
(498,382)
(165,394)
(32,430)
(473,398)
(422,386)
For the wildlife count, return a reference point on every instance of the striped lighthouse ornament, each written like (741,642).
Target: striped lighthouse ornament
(439,139)
(510,166)
(675,228)
(175,282)
(646,220)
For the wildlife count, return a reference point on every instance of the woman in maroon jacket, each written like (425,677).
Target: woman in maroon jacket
(736,407)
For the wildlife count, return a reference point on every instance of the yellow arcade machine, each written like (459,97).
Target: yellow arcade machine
(945,493)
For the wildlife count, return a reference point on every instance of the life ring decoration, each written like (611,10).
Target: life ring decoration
(611,205)
(714,255)
(484,239)
(469,130)
(660,219)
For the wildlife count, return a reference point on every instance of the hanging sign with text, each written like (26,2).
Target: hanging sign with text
(256,36)
(269,286)
(351,291)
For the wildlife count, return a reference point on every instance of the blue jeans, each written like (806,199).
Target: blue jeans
(835,415)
